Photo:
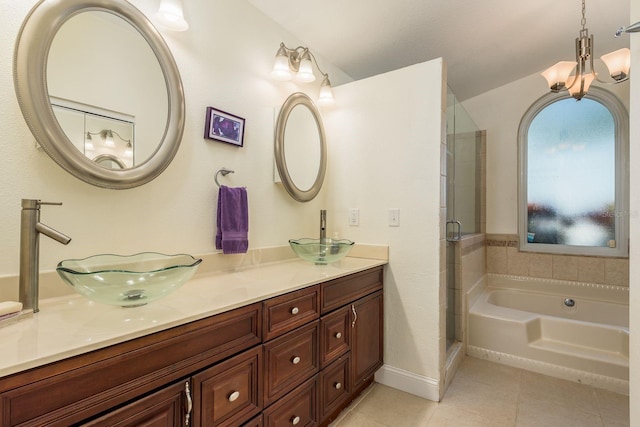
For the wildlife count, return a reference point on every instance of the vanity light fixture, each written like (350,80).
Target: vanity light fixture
(297,64)
(171,16)
(559,75)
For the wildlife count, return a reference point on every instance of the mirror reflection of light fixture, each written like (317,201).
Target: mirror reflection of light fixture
(107,135)
(618,62)
(298,64)
(171,16)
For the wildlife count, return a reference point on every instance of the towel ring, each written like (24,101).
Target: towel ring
(224,172)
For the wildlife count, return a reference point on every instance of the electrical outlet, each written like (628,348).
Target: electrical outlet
(354,217)
(394,217)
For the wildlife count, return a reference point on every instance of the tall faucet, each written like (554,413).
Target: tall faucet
(323,226)
(30,230)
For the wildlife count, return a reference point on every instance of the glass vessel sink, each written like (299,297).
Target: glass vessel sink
(321,252)
(128,280)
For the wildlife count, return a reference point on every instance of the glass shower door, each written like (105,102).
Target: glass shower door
(463,203)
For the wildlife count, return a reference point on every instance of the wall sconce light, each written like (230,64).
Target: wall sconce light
(618,62)
(297,64)
(171,16)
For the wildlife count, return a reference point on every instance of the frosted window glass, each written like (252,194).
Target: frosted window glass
(571,176)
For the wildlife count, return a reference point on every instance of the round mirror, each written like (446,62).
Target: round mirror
(100,90)
(300,147)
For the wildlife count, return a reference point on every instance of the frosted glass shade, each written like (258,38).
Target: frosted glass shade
(558,74)
(171,16)
(326,94)
(575,89)
(618,62)
(281,70)
(305,72)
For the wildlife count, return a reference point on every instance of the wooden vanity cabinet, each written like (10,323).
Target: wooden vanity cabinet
(293,360)
(90,385)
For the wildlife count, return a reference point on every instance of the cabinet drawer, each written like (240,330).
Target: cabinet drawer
(345,290)
(162,408)
(289,360)
(335,335)
(299,408)
(286,312)
(335,385)
(229,393)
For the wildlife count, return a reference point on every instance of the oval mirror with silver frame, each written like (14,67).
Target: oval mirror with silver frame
(300,146)
(32,49)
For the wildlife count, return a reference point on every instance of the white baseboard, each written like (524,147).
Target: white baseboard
(409,382)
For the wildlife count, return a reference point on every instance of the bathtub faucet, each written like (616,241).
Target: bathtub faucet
(30,230)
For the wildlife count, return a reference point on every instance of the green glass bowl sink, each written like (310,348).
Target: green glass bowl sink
(321,252)
(128,280)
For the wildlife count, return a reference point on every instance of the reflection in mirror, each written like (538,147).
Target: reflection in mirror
(96,132)
(98,59)
(300,148)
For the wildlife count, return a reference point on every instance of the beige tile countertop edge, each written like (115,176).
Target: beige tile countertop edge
(70,325)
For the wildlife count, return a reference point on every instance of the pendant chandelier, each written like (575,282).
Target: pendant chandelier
(559,75)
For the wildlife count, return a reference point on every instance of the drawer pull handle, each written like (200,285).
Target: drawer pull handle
(295,420)
(295,310)
(338,335)
(338,386)
(233,396)
(295,360)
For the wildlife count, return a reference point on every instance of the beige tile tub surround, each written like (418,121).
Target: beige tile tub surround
(503,257)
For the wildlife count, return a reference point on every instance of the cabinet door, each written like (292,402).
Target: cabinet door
(366,340)
(163,408)
(229,393)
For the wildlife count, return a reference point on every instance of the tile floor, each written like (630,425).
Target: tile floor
(487,394)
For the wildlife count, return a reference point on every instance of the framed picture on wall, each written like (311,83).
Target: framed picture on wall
(223,126)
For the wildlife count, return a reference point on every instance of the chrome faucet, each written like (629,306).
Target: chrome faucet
(30,230)
(323,226)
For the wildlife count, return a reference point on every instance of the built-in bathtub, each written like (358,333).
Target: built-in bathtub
(571,330)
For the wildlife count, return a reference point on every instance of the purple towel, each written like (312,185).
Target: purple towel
(232,221)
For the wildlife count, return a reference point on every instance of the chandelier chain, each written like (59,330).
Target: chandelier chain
(584,17)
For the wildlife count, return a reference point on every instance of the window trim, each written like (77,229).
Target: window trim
(621,123)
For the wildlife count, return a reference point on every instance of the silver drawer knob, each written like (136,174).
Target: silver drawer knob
(295,310)
(338,335)
(233,396)
(295,360)
(338,386)
(295,420)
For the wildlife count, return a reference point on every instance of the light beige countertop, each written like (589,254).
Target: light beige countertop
(70,325)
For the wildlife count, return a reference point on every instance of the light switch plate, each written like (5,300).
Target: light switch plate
(354,217)
(394,217)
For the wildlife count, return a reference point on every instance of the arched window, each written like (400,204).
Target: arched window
(573,175)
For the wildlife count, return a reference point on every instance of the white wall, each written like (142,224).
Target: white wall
(225,59)
(385,139)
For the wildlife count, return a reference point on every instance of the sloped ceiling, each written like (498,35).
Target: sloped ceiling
(486,44)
